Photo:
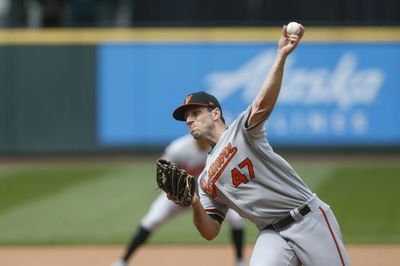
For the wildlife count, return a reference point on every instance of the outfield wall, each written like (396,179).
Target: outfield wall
(47,98)
(81,90)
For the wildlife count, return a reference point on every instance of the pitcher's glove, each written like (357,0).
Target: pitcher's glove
(179,185)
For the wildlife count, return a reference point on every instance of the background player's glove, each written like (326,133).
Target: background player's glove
(179,185)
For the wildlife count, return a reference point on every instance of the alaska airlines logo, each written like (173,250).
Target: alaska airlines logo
(345,85)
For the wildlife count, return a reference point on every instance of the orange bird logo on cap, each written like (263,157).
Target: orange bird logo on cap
(188,98)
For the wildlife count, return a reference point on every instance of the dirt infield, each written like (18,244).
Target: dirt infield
(166,255)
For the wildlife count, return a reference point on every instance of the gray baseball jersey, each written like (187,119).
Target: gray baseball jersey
(244,173)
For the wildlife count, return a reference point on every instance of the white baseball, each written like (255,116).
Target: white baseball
(293,28)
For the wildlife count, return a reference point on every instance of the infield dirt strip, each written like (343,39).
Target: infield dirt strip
(190,255)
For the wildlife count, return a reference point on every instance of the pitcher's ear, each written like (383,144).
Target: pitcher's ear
(217,112)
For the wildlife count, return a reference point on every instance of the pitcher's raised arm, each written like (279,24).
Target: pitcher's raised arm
(265,100)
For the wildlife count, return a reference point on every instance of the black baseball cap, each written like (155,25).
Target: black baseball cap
(200,98)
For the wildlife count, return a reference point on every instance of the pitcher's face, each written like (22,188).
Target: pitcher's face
(200,121)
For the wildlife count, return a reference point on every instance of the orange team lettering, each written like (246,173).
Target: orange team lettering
(216,169)
(208,187)
(224,157)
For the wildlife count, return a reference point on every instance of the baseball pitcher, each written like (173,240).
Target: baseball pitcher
(243,173)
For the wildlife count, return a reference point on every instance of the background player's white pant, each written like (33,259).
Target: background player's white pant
(313,241)
(163,209)
(234,220)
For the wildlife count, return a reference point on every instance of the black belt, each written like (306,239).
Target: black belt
(287,220)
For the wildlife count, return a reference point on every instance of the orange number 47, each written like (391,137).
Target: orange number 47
(238,177)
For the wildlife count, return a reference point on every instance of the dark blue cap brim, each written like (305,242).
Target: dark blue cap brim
(179,113)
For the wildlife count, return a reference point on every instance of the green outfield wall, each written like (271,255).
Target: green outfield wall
(47,98)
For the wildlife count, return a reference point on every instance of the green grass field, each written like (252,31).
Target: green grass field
(103,202)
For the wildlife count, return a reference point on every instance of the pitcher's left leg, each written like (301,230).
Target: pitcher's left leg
(317,239)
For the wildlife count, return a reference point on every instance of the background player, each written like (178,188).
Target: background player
(245,174)
(189,154)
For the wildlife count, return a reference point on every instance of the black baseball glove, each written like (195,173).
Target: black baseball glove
(179,185)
